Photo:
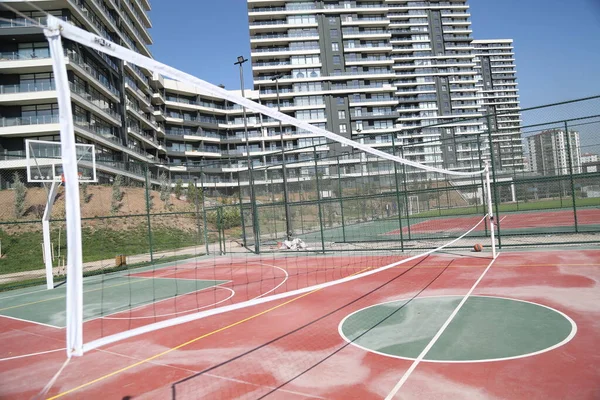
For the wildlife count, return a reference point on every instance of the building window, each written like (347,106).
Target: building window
(335,47)
(332,20)
(340,101)
(341,114)
(359,125)
(343,128)
(335,33)
(337,60)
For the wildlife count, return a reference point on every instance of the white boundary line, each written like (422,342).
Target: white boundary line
(159,301)
(433,340)
(276,287)
(177,312)
(31,322)
(561,343)
(31,354)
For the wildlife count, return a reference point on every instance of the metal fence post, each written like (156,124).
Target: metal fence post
(148,210)
(242,211)
(405,194)
(398,193)
(319,198)
(197,205)
(571,178)
(494,181)
(340,191)
(204,210)
(485,222)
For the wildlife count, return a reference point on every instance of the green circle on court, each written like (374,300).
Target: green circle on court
(485,328)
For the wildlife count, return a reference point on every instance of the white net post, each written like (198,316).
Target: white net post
(46,232)
(74,325)
(490,207)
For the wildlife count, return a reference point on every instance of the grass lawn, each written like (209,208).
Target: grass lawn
(23,251)
(566,203)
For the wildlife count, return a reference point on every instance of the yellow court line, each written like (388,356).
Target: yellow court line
(180,346)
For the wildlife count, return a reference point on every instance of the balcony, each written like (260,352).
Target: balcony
(45,124)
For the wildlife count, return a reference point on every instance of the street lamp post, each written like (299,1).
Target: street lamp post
(241,60)
(288,222)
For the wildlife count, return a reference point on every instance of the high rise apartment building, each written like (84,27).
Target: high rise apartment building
(495,63)
(385,72)
(382,72)
(555,152)
(111,99)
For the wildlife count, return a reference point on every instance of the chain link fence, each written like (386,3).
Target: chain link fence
(546,190)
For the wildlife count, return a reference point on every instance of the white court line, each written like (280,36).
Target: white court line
(276,287)
(31,322)
(433,340)
(31,355)
(367,349)
(177,312)
(155,302)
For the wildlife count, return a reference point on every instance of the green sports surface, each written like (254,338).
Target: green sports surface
(100,297)
(485,328)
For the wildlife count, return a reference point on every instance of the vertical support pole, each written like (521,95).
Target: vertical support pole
(319,198)
(405,194)
(197,204)
(398,203)
(203,210)
(492,163)
(241,212)
(46,234)
(220,229)
(148,210)
(490,207)
(571,178)
(288,220)
(74,298)
(340,191)
(483,200)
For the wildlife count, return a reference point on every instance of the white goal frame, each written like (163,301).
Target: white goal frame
(57,29)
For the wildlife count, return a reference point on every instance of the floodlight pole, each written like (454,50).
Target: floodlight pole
(240,61)
(288,222)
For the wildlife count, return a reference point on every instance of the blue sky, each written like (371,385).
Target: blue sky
(557,42)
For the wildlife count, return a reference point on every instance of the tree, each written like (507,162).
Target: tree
(85,196)
(165,189)
(192,191)
(20,193)
(178,189)
(117,194)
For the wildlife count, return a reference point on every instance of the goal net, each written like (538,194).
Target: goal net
(329,212)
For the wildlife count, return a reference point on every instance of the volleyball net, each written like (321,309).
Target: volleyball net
(260,248)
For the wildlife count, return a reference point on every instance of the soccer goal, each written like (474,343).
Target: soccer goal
(182,292)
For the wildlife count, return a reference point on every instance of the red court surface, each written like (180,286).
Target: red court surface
(508,221)
(291,348)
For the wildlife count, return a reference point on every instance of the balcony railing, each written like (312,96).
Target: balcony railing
(34,120)
(27,87)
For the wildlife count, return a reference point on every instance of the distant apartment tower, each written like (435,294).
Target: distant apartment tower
(333,63)
(435,78)
(497,82)
(381,72)
(589,158)
(549,155)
